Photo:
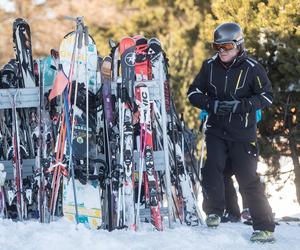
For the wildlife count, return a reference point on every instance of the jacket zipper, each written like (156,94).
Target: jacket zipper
(246,120)
(225,84)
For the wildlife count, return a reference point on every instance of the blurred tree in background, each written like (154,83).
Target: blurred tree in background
(185,27)
(47,22)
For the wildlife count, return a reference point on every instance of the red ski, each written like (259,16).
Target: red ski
(144,73)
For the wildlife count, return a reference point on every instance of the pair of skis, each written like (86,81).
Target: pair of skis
(119,135)
(23,51)
(143,70)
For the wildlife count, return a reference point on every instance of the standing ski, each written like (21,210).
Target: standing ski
(143,73)
(111,188)
(127,49)
(23,52)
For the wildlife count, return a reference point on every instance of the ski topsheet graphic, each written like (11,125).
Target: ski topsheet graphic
(88,200)
(22,41)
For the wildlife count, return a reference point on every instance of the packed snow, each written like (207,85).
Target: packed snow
(63,235)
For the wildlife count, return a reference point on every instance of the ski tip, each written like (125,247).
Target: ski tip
(126,43)
(112,43)
(19,20)
(138,37)
(106,67)
(154,40)
(54,53)
(140,40)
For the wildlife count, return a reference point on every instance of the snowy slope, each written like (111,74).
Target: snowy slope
(62,235)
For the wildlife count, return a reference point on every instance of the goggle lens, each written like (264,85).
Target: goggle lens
(224,46)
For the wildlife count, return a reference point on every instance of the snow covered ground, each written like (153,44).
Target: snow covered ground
(62,234)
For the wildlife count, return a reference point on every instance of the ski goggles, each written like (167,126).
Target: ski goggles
(224,46)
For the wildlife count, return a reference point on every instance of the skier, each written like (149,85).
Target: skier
(231,86)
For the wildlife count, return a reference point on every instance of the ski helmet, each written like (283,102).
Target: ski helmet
(229,32)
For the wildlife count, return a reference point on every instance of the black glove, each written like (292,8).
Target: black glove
(222,108)
(228,107)
(236,106)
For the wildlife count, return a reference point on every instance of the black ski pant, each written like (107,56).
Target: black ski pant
(231,199)
(243,157)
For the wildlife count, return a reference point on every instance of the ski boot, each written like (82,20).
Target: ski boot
(228,217)
(246,217)
(262,236)
(213,220)
(246,214)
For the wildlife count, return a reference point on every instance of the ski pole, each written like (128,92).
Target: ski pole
(79,30)
(202,147)
(86,44)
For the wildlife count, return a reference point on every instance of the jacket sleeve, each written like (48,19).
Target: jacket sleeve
(262,92)
(197,92)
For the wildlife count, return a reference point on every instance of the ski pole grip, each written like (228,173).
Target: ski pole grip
(86,35)
(80,37)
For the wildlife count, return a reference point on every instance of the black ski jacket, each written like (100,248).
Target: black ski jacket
(244,80)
